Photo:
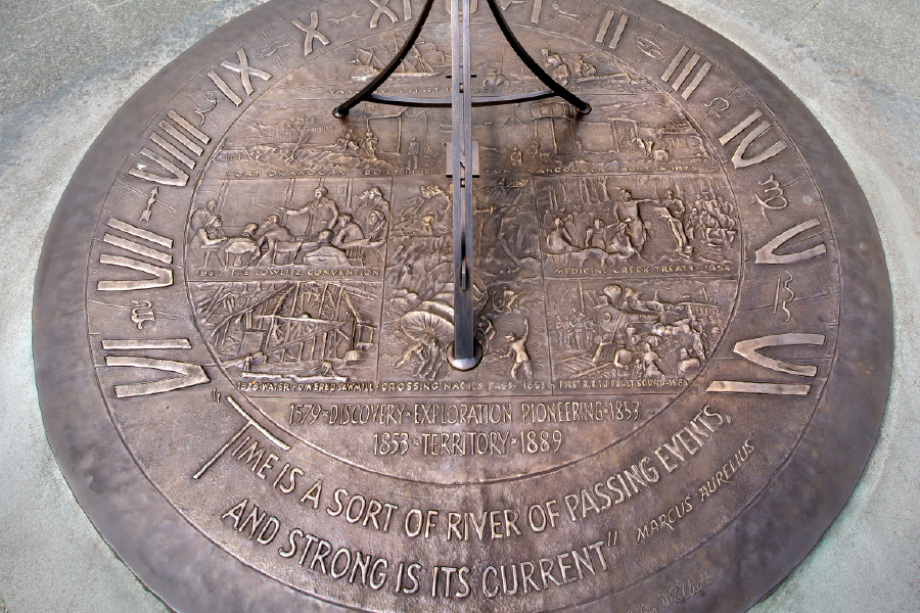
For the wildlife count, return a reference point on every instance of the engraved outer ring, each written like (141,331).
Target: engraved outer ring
(183,567)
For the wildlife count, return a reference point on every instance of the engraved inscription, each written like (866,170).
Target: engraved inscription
(768,253)
(382,10)
(657,322)
(311,32)
(190,138)
(189,374)
(246,71)
(617,31)
(750,350)
(162,275)
(738,159)
(691,67)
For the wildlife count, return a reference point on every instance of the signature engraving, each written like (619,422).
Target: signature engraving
(684,590)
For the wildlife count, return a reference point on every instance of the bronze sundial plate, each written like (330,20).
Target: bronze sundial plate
(243,316)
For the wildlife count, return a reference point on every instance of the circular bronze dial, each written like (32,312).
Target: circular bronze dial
(244,314)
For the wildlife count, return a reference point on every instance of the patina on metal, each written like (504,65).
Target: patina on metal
(465,353)
(244,318)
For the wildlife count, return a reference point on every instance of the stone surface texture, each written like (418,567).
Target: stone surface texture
(66,67)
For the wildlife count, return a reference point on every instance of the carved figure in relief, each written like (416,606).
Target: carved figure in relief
(538,153)
(647,145)
(313,217)
(627,209)
(431,327)
(632,302)
(617,247)
(651,369)
(616,331)
(516,156)
(677,212)
(689,330)
(202,217)
(432,201)
(370,145)
(243,249)
(559,240)
(583,70)
(210,238)
(493,78)
(698,341)
(503,300)
(688,364)
(412,154)
(622,357)
(556,64)
(346,231)
(486,332)
(324,372)
(620,245)
(596,234)
(377,227)
(211,234)
(349,142)
(517,350)
(718,225)
(692,221)
(270,234)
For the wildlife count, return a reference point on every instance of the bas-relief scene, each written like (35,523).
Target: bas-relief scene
(321,250)
(607,264)
(632,117)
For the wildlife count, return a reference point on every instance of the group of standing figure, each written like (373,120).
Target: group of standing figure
(635,344)
(708,221)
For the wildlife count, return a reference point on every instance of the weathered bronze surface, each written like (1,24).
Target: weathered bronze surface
(243,318)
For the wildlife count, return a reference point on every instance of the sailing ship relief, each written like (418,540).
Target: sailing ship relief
(424,60)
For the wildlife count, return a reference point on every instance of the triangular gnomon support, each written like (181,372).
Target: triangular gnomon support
(553,88)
